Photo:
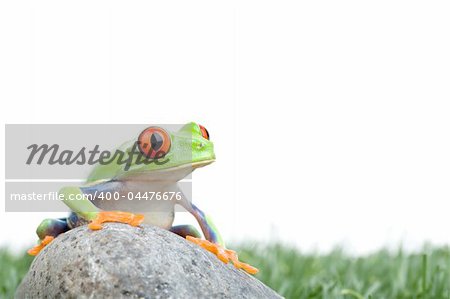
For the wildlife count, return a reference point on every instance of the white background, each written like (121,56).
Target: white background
(330,119)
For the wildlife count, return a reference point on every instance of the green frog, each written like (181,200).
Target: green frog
(115,191)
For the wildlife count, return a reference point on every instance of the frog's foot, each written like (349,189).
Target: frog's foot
(120,217)
(36,249)
(225,255)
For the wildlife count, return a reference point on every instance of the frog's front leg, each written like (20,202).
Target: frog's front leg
(77,199)
(87,210)
(214,242)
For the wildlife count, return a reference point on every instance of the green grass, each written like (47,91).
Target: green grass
(12,269)
(335,275)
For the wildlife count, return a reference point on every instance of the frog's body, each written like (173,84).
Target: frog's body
(182,152)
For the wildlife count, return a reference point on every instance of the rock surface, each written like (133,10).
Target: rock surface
(121,261)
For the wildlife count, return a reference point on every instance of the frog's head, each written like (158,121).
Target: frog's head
(167,153)
(202,149)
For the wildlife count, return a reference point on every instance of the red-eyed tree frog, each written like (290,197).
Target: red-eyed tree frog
(174,155)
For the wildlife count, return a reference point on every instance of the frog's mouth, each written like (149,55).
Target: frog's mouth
(202,163)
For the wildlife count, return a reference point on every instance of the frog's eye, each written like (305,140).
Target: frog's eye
(204,132)
(154,142)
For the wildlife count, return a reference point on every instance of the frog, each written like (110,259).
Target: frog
(160,159)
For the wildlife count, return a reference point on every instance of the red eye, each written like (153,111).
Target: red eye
(154,142)
(205,133)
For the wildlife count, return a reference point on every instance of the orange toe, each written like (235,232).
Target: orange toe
(120,217)
(240,265)
(36,249)
(225,255)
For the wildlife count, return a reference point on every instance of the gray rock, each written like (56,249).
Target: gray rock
(121,261)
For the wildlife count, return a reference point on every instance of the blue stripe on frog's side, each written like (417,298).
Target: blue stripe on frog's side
(74,220)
